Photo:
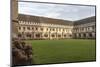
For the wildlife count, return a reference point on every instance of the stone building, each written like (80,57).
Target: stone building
(85,28)
(36,27)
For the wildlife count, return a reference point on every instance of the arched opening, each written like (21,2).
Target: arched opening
(28,35)
(79,35)
(64,35)
(46,35)
(84,35)
(90,35)
(41,29)
(19,35)
(37,35)
(70,35)
(59,35)
(53,35)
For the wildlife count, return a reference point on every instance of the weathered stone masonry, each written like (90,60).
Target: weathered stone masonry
(35,27)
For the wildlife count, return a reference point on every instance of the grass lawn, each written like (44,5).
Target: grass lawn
(59,51)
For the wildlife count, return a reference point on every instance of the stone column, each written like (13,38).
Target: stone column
(49,34)
(81,35)
(87,35)
(56,35)
(77,36)
(31,36)
(42,35)
(34,35)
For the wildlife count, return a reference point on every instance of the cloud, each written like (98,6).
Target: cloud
(67,12)
(53,14)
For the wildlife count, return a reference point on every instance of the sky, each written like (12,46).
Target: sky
(58,11)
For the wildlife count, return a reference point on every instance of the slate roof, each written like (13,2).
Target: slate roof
(86,20)
(40,19)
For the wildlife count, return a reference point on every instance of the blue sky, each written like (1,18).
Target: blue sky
(59,11)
